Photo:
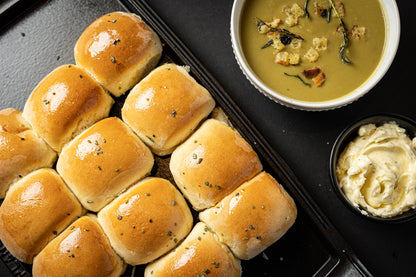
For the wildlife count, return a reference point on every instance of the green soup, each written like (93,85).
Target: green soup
(341,78)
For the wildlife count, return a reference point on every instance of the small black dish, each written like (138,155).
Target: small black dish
(349,134)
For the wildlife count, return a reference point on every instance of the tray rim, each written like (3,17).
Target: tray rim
(11,10)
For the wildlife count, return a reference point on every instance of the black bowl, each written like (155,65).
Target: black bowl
(349,134)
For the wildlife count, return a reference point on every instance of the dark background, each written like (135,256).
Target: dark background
(43,37)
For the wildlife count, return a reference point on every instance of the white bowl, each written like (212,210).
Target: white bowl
(391,44)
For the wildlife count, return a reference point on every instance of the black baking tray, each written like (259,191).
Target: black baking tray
(312,247)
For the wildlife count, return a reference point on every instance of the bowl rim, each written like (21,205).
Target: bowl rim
(391,44)
(342,141)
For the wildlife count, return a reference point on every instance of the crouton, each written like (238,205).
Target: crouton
(320,44)
(357,32)
(282,58)
(312,55)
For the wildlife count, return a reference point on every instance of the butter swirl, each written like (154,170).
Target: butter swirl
(377,170)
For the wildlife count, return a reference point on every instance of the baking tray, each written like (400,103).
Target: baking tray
(312,247)
(11,9)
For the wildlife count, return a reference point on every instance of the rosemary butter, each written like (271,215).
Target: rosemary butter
(377,171)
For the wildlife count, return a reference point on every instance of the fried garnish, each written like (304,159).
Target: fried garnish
(340,8)
(311,73)
(319,79)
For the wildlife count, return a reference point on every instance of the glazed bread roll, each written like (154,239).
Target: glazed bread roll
(64,103)
(213,162)
(118,49)
(81,250)
(35,210)
(165,107)
(200,254)
(252,217)
(146,221)
(103,161)
(21,150)
(11,121)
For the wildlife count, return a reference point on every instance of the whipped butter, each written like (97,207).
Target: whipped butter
(377,171)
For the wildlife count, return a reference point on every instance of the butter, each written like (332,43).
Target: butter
(377,170)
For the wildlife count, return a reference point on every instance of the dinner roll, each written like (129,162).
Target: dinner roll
(11,121)
(165,107)
(35,210)
(103,161)
(21,150)
(118,49)
(252,217)
(146,221)
(212,163)
(64,103)
(200,254)
(81,250)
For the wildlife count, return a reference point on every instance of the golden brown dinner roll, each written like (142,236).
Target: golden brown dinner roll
(252,217)
(118,49)
(165,107)
(146,221)
(35,210)
(82,250)
(103,161)
(200,254)
(64,103)
(11,121)
(212,163)
(21,150)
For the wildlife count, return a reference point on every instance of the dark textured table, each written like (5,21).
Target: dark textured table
(38,42)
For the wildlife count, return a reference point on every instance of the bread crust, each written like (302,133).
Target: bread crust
(104,161)
(252,217)
(35,210)
(166,107)
(211,163)
(64,103)
(21,150)
(146,221)
(82,250)
(118,49)
(200,254)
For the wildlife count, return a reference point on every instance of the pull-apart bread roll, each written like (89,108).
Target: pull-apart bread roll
(21,150)
(35,210)
(252,217)
(82,250)
(213,162)
(118,49)
(103,161)
(146,221)
(200,254)
(165,107)
(64,103)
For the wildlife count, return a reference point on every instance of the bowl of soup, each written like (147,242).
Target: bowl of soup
(314,54)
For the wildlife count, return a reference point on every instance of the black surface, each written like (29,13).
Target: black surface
(30,50)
